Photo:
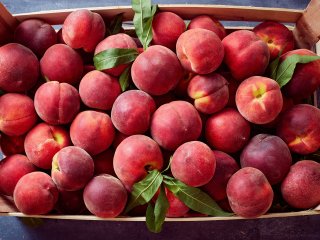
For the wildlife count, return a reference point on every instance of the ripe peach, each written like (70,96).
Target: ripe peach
(12,168)
(175,123)
(246,54)
(301,187)
(57,103)
(209,23)
(268,153)
(166,29)
(131,112)
(227,131)
(93,131)
(249,193)
(43,142)
(200,51)
(277,36)
(72,168)
(176,207)
(105,196)
(17,114)
(35,193)
(61,63)
(70,202)
(99,90)
(10,145)
(210,92)
(299,128)
(193,163)
(35,34)
(259,99)
(83,29)
(19,68)
(134,157)
(103,163)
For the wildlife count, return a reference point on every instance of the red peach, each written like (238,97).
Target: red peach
(176,207)
(103,163)
(10,145)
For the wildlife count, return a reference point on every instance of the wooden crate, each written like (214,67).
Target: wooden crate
(306,31)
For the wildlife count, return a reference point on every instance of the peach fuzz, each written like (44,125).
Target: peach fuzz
(99,90)
(105,196)
(249,193)
(83,29)
(193,163)
(17,114)
(61,63)
(210,92)
(103,163)
(93,131)
(227,131)
(246,54)
(277,36)
(35,193)
(299,128)
(208,22)
(119,40)
(70,202)
(166,29)
(72,168)
(19,68)
(175,123)
(57,103)
(134,157)
(132,111)
(200,51)
(43,142)
(259,99)
(12,168)
(10,145)
(35,34)
(301,187)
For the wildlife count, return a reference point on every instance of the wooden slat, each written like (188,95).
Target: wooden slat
(7,25)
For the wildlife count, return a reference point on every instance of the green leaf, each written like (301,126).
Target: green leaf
(143,191)
(113,57)
(273,66)
(156,215)
(116,24)
(286,68)
(144,13)
(124,79)
(194,198)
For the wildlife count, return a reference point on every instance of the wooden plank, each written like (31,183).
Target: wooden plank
(7,25)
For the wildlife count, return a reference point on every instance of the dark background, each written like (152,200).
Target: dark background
(306,227)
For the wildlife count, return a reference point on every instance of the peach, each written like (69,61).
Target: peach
(131,112)
(200,51)
(72,168)
(166,29)
(35,34)
(175,123)
(181,89)
(57,103)
(193,163)
(134,157)
(99,90)
(210,92)
(157,70)
(268,153)
(176,207)
(209,23)
(277,36)
(70,202)
(246,54)
(299,128)
(17,75)
(249,193)
(61,63)
(226,166)
(301,187)
(227,131)
(259,99)
(35,193)
(43,142)
(93,131)
(10,145)
(17,114)
(306,77)
(119,40)
(12,168)
(103,163)
(83,29)
(105,196)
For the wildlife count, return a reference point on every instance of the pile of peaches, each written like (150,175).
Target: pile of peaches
(76,141)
